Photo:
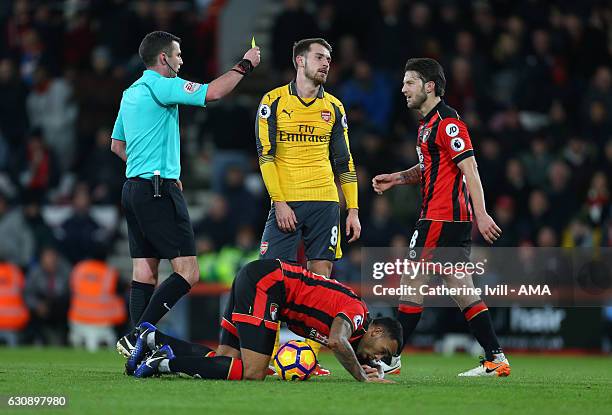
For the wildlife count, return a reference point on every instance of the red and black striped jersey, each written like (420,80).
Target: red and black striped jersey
(312,302)
(443,141)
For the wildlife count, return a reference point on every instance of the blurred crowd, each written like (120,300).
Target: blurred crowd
(531,78)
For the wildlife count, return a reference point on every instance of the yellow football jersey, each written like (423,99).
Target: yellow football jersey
(301,143)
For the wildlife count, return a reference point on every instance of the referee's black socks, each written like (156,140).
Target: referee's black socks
(140,295)
(164,298)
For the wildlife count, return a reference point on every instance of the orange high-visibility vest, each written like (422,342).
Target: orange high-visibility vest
(93,284)
(14,314)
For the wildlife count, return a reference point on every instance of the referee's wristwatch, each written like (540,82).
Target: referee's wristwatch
(244,67)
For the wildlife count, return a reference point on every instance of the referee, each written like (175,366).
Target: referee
(146,137)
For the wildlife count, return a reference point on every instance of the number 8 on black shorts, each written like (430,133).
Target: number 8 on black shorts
(318,224)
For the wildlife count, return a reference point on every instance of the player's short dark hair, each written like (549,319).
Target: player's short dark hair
(153,44)
(429,70)
(393,329)
(301,47)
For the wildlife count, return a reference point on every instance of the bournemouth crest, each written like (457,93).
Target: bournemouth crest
(425,134)
(273,311)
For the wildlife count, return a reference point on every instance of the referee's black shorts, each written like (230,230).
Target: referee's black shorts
(252,313)
(157,227)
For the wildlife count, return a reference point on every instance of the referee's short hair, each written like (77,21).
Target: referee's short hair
(429,70)
(153,44)
(301,47)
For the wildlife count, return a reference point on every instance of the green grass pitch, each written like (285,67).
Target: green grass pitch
(94,384)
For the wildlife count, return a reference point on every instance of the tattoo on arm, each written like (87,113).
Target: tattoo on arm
(339,335)
(411,176)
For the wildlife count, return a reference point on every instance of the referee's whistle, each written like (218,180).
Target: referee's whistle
(156,180)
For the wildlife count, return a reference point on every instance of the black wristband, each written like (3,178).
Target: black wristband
(245,66)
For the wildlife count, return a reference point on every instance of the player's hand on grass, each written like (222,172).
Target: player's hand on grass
(353,226)
(488,228)
(383,182)
(253,55)
(373,372)
(285,217)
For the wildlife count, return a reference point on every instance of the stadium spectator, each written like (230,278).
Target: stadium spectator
(516,186)
(13,115)
(47,294)
(42,233)
(388,27)
(217,224)
(95,92)
(35,169)
(505,217)
(238,196)
(371,90)
(102,170)
(292,24)
(14,313)
(81,237)
(17,243)
(380,226)
(598,199)
(560,194)
(51,108)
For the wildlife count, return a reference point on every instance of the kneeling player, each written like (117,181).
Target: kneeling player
(263,293)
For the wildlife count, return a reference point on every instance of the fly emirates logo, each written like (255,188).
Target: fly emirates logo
(305,134)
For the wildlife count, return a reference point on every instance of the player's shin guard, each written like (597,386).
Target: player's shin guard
(140,295)
(409,315)
(218,367)
(479,320)
(164,298)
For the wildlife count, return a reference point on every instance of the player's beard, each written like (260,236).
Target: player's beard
(316,77)
(418,100)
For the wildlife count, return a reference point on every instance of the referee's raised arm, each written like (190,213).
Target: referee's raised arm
(224,84)
(146,136)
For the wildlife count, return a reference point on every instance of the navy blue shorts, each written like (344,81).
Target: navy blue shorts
(318,224)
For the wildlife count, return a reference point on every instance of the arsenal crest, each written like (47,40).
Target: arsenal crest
(273,311)
(263,248)
(326,115)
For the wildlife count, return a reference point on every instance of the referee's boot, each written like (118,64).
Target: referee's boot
(150,366)
(141,348)
(498,367)
(126,344)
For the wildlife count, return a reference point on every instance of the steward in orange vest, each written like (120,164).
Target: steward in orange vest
(14,314)
(93,284)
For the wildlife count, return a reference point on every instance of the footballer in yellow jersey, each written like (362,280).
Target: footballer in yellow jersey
(302,142)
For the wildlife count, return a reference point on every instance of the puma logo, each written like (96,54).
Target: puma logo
(287,112)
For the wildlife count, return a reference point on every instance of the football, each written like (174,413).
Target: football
(295,360)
